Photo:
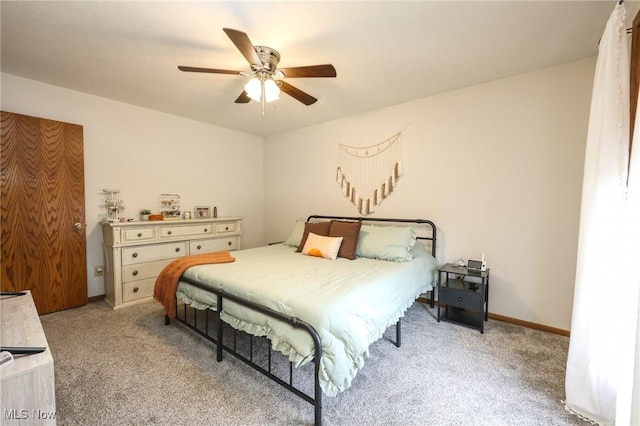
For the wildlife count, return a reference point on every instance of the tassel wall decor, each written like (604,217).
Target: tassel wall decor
(368,175)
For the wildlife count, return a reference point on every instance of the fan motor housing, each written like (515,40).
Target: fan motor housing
(268,56)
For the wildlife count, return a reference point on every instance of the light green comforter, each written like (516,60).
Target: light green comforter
(350,303)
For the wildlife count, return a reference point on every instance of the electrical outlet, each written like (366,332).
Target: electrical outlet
(98,271)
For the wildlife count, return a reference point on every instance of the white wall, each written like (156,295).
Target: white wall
(497,167)
(145,153)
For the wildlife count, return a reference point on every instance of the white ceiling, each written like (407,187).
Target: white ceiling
(385,53)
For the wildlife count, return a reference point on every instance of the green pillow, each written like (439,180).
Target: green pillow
(295,236)
(392,243)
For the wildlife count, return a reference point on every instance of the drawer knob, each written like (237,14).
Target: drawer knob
(206,230)
(135,289)
(230,243)
(135,255)
(459,298)
(226,228)
(199,247)
(134,273)
(177,249)
(139,234)
(168,232)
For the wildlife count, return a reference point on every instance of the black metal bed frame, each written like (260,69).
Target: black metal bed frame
(316,399)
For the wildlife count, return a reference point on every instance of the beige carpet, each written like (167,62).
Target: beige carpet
(125,367)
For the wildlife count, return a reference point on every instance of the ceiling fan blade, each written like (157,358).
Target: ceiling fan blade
(243,98)
(210,70)
(244,45)
(326,70)
(296,93)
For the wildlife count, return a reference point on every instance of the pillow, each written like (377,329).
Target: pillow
(349,232)
(318,228)
(319,246)
(393,243)
(295,236)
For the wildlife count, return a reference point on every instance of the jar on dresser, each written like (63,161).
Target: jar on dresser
(136,252)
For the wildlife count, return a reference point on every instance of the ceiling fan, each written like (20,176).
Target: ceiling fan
(265,84)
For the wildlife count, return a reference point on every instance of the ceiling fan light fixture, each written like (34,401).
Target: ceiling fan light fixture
(256,85)
(271,90)
(254,89)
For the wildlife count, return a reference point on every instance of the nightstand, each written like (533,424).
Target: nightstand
(464,295)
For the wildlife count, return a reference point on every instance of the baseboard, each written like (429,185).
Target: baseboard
(497,317)
(529,324)
(517,321)
(96,298)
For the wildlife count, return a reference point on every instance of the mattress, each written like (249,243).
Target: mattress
(350,303)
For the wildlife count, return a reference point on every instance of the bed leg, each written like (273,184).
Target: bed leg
(166,320)
(398,333)
(318,414)
(317,397)
(219,322)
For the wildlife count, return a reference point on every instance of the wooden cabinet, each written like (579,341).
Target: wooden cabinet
(136,252)
(27,388)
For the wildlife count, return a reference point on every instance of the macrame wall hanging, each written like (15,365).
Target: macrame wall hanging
(368,175)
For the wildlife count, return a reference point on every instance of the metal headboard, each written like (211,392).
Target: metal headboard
(424,222)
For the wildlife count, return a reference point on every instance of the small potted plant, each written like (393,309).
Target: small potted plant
(144,214)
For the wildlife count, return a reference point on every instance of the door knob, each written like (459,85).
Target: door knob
(78,226)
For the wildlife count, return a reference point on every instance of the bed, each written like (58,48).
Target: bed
(312,308)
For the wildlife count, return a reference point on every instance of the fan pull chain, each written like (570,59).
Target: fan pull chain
(262,100)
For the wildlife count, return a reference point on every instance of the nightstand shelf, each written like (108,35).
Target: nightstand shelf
(464,296)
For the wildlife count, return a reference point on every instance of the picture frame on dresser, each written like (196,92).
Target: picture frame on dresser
(202,212)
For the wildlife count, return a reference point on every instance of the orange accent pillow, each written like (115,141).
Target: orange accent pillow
(320,246)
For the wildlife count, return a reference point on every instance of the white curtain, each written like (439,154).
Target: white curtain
(628,399)
(600,364)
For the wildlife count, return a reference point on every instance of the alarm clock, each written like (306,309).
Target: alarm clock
(477,265)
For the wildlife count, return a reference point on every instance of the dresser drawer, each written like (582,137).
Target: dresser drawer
(461,299)
(226,228)
(141,254)
(217,244)
(138,234)
(201,229)
(138,289)
(141,271)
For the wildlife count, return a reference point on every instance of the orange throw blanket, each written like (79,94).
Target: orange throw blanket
(167,282)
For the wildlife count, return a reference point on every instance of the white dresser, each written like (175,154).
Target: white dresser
(136,252)
(27,389)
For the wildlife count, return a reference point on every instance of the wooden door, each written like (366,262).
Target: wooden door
(43,242)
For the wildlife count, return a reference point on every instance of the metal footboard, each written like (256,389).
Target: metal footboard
(315,399)
(204,331)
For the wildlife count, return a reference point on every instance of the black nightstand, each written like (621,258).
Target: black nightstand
(464,295)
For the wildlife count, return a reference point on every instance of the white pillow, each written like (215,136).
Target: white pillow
(320,246)
(295,236)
